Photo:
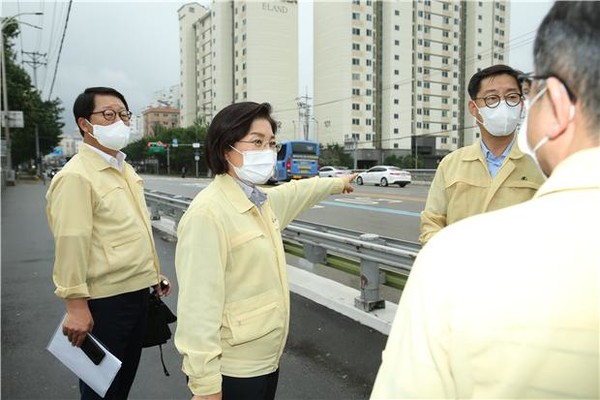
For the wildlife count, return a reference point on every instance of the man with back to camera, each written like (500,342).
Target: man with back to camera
(491,173)
(521,322)
(105,257)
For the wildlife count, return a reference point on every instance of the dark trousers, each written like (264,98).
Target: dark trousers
(119,323)
(257,388)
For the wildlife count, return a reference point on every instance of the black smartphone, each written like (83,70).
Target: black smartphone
(92,350)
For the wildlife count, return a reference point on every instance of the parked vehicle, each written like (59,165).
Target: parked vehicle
(384,175)
(332,171)
(52,172)
(297,159)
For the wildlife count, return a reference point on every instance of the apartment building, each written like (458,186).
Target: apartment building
(239,51)
(156,118)
(168,97)
(390,77)
(486,42)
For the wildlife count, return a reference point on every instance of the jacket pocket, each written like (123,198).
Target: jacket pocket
(251,319)
(124,251)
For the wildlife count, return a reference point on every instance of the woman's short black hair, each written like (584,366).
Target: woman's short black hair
(230,125)
(84,103)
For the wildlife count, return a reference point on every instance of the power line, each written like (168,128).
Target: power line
(60,49)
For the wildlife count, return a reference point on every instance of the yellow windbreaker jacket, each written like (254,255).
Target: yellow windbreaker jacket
(233,306)
(462,187)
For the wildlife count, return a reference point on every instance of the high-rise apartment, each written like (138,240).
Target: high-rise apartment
(239,51)
(391,76)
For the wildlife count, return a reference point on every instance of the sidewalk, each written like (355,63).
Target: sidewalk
(328,356)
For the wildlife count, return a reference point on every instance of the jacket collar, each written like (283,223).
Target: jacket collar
(233,192)
(96,159)
(578,171)
(474,152)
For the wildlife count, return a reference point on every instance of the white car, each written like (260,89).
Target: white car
(384,175)
(331,171)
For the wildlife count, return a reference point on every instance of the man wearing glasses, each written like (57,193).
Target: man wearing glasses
(491,173)
(105,258)
(516,315)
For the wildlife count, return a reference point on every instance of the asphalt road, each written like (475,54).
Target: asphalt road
(387,211)
(328,356)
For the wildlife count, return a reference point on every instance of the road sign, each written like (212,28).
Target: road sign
(175,142)
(156,147)
(196,145)
(15,119)
(197,158)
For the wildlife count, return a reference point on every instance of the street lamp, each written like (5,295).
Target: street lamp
(5,89)
(316,128)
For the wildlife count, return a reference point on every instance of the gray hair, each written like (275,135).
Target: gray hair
(567,46)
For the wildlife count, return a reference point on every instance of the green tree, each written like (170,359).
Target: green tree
(178,156)
(23,96)
(334,154)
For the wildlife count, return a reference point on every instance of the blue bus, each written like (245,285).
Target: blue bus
(297,159)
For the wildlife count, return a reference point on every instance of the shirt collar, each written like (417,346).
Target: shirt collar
(254,194)
(115,162)
(489,155)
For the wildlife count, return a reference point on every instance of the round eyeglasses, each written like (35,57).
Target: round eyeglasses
(493,101)
(110,115)
(261,144)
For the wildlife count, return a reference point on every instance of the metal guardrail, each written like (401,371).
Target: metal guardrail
(376,254)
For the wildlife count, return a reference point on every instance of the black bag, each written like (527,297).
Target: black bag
(157,325)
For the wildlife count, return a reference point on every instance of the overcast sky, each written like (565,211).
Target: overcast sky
(134,46)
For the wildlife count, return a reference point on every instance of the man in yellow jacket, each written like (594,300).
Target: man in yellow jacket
(105,257)
(491,173)
(476,322)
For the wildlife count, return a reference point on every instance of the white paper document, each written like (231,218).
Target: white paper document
(98,377)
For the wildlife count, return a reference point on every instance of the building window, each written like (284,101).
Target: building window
(395,145)
(444,140)
(355,16)
(395,116)
(396,131)
(355,92)
(356,106)
(355,46)
(355,121)
(368,121)
(368,107)
(368,135)
(356,31)
(396,72)
(368,92)
(444,127)
(369,32)
(356,77)
(355,61)
(396,101)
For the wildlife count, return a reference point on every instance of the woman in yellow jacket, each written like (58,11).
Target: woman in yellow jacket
(233,308)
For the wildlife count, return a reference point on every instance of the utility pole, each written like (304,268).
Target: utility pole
(35,63)
(304,113)
(355,148)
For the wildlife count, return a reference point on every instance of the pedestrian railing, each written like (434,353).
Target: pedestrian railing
(377,259)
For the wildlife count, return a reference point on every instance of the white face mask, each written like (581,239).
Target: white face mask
(257,167)
(114,136)
(522,140)
(502,120)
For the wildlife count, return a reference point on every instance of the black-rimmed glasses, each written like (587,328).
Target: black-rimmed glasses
(530,78)
(110,115)
(260,144)
(493,100)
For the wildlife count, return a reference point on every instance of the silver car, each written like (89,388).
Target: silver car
(384,175)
